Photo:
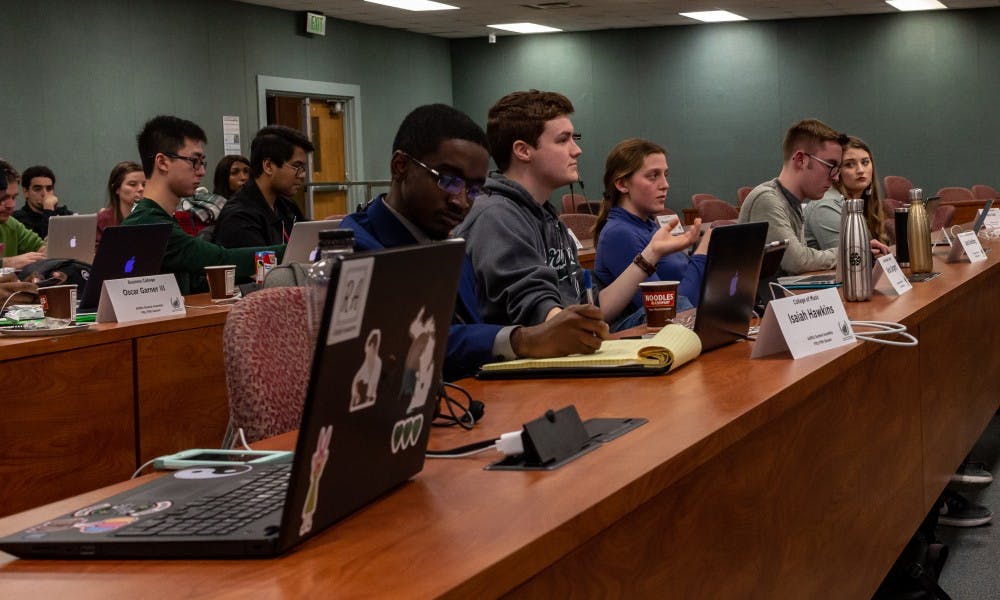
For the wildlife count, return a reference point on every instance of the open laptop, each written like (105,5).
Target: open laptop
(72,236)
(948,240)
(304,238)
(125,251)
(364,430)
(729,284)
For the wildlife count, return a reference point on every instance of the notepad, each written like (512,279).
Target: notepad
(671,347)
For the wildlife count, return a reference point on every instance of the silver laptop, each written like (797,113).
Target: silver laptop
(304,238)
(72,236)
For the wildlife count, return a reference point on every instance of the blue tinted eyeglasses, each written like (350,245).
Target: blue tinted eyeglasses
(452,184)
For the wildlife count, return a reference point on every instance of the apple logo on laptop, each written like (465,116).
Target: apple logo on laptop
(72,242)
(129,265)
(733,283)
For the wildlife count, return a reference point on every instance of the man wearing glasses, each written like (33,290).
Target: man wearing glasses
(261,212)
(173,158)
(812,154)
(438,167)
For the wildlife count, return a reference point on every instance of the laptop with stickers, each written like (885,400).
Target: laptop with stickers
(364,431)
(72,236)
(125,251)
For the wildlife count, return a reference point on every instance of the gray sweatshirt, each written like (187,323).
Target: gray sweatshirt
(524,258)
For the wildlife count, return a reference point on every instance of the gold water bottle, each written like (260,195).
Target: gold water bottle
(918,234)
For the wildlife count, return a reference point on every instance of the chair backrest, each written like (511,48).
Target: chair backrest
(697,199)
(267,351)
(573,203)
(713,209)
(897,188)
(741,195)
(955,194)
(982,192)
(943,216)
(582,225)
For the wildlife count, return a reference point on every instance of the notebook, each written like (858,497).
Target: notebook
(364,430)
(304,238)
(72,236)
(125,251)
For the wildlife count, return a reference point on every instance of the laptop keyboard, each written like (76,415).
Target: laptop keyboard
(223,514)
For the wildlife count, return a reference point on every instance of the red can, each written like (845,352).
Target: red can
(266,260)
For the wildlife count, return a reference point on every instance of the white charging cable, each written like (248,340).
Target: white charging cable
(881,328)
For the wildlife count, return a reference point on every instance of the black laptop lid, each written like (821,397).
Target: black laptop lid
(729,284)
(125,251)
(375,373)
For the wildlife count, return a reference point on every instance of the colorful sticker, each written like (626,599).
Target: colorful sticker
(213,472)
(364,387)
(418,370)
(406,433)
(56,525)
(349,302)
(106,525)
(319,459)
(123,510)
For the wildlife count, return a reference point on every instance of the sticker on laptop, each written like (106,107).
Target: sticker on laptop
(107,509)
(364,387)
(317,465)
(213,472)
(349,301)
(418,370)
(106,525)
(406,433)
(55,525)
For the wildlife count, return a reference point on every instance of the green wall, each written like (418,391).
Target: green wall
(921,88)
(80,78)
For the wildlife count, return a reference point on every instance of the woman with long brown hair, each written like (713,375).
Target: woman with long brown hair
(125,186)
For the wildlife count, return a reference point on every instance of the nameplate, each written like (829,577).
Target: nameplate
(968,245)
(804,325)
(576,240)
(992,221)
(887,268)
(137,298)
(666,220)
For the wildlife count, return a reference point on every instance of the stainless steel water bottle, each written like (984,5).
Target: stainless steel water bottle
(918,234)
(855,255)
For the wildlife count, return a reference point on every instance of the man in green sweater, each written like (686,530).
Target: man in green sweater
(172,151)
(20,245)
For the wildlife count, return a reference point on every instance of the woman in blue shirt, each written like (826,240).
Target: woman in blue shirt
(635,189)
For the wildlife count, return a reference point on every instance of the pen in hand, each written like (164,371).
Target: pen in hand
(588,285)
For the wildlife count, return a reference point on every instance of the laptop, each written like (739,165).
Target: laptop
(365,425)
(947,240)
(72,236)
(304,238)
(125,251)
(729,284)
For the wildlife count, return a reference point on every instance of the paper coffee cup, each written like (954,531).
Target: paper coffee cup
(221,281)
(58,302)
(659,298)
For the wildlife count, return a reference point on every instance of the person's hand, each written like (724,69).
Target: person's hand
(10,286)
(664,242)
(879,248)
(50,202)
(22,260)
(577,329)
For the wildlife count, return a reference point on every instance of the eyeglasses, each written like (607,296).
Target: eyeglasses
(300,168)
(194,161)
(452,184)
(834,168)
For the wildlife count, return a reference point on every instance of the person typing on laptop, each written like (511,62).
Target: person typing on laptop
(21,246)
(812,162)
(261,212)
(173,159)
(438,166)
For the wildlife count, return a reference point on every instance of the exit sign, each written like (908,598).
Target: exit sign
(315,23)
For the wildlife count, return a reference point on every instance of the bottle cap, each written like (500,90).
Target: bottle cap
(916,194)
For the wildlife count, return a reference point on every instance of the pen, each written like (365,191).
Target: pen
(588,285)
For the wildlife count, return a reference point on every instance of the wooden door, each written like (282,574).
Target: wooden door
(328,159)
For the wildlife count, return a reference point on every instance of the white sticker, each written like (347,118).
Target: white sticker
(418,368)
(364,387)
(406,433)
(349,302)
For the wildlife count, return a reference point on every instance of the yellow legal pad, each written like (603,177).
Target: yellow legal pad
(670,348)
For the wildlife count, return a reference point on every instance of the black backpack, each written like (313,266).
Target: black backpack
(57,271)
(915,573)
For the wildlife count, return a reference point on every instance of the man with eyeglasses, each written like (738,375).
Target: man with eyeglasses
(173,158)
(438,167)
(262,213)
(812,155)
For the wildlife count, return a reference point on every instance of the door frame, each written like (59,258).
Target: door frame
(350,95)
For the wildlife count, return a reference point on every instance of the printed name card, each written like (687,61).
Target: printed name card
(137,298)
(992,221)
(888,268)
(665,220)
(973,249)
(804,325)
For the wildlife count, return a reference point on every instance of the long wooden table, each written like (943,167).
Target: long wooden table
(86,409)
(770,478)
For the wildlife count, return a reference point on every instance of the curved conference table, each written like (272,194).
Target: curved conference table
(770,478)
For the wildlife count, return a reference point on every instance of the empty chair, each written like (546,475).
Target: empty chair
(983,192)
(267,351)
(572,203)
(942,216)
(741,195)
(697,199)
(713,209)
(897,188)
(582,225)
(954,194)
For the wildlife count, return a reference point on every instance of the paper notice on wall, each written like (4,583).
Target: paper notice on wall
(231,135)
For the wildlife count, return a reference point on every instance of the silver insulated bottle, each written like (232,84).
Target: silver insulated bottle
(855,256)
